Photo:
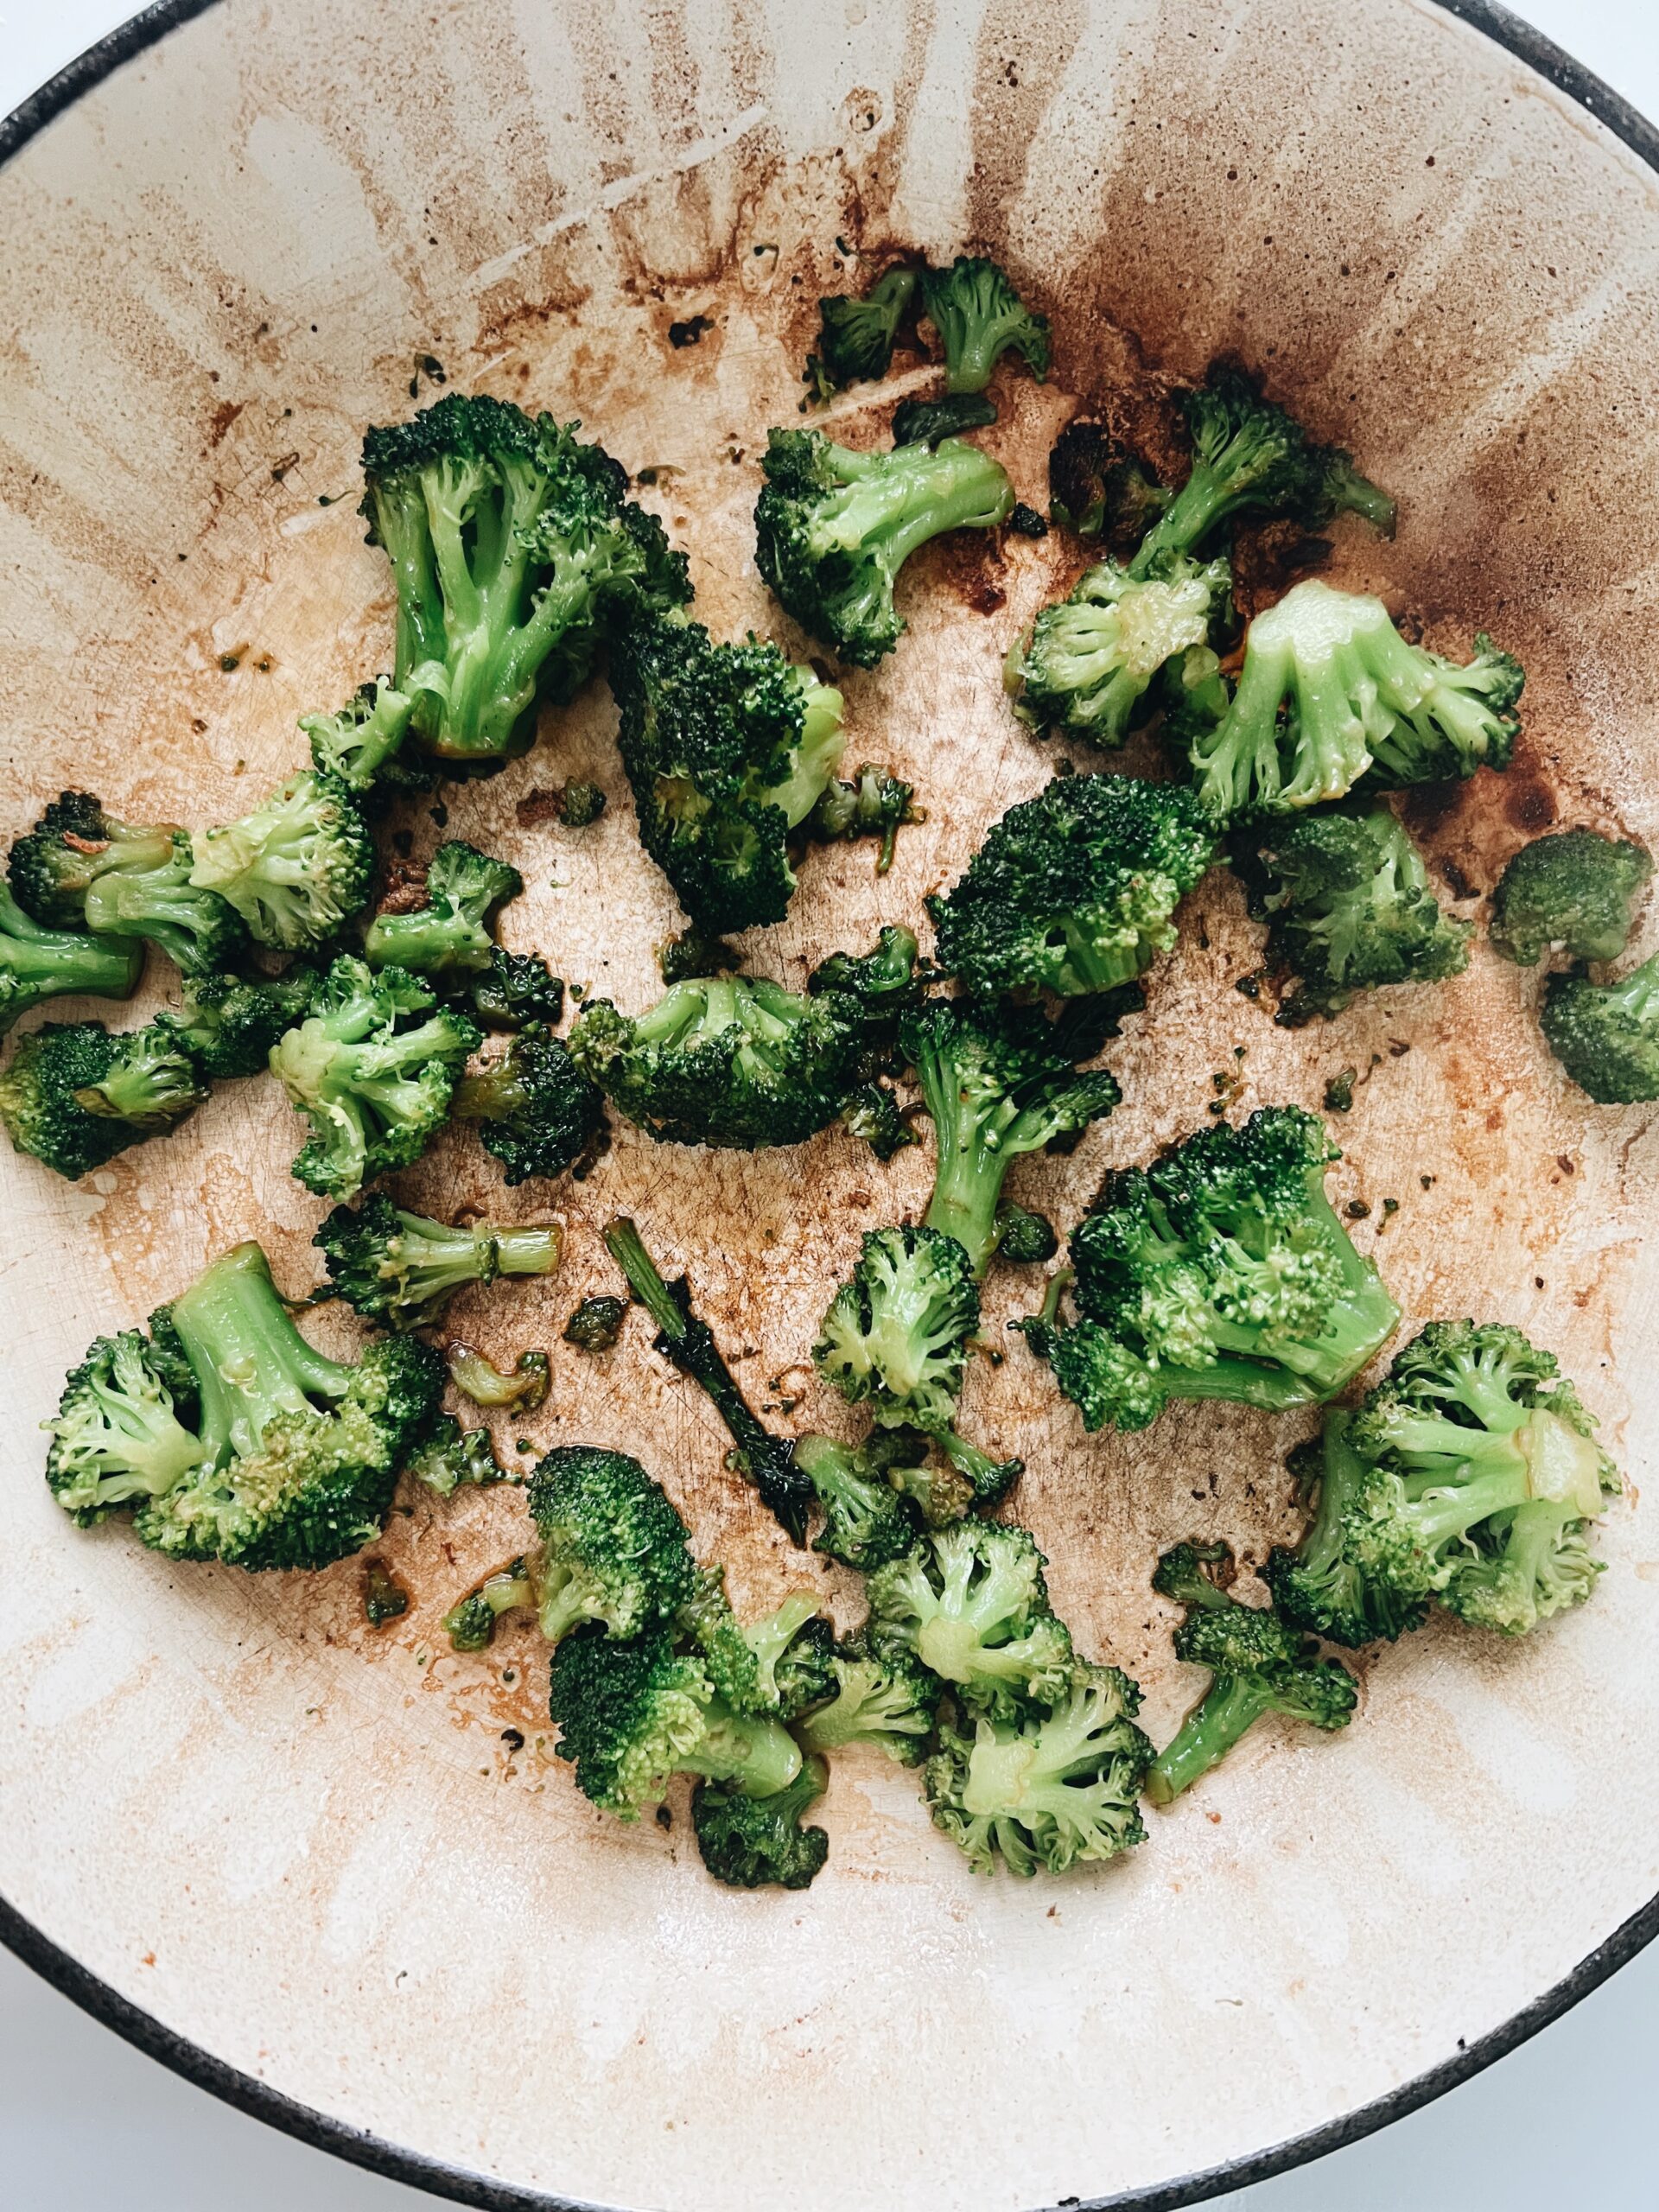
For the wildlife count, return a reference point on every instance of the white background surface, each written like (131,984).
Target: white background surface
(85,2121)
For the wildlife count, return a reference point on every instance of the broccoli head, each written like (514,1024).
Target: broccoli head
(882,1697)
(1101,487)
(361,746)
(537,1110)
(1607,1036)
(515,989)
(513,552)
(82,868)
(751,1843)
(297,868)
(1074,890)
(874,1116)
(38,964)
(470,1623)
(833,528)
(614,1550)
(1576,890)
(450,934)
(872,804)
(970,1603)
(1024,1237)
(400,1269)
(372,1067)
(895,1336)
(124,1430)
(73,1096)
(856,336)
(866,1520)
(596,1323)
(228,1023)
(979,317)
(1055,1789)
(928,421)
(1086,664)
(728,750)
(451,1457)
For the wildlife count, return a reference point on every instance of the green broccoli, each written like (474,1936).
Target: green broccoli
(596,1323)
(1055,1789)
(1087,663)
(1607,1036)
(856,336)
(998,1080)
(451,933)
(873,803)
(1257,1665)
(1576,889)
(470,1623)
(1074,890)
(581,804)
(885,980)
(361,746)
(833,528)
(614,1550)
(452,1458)
(1329,693)
(979,317)
(751,1842)
(516,990)
(865,1519)
(1470,1475)
(1024,1237)
(1221,1271)
(1100,487)
(693,955)
(1351,909)
(228,1023)
(735,1061)
(513,552)
(400,1269)
(523,1387)
(683,1338)
(895,1336)
(929,422)
(73,1096)
(297,868)
(537,1111)
(873,1114)
(970,1603)
(37,963)
(883,1698)
(728,750)
(295,1456)
(81,868)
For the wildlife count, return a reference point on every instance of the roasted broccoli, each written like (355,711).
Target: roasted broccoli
(400,1269)
(515,989)
(694,954)
(451,1457)
(37,963)
(929,422)
(470,1624)
(833,528)
(596,1323)
(883,1698)
(124,1429)
(81,868)
(513,551)
(1074,890)
(885,980)
(1087,663)
(856,336)
(581,803)
(614,1550)
(450,934)
(895,1335)
(979,317)
(873,1114)
(1053,1788)
(1607,1036)
(228,1023)
(970,1604)
(873,803)
(866,1520)
(728,750)
(751,1842)
(1350,908)
(536,1110)
(1100,487)
(297,868)
(1221,1271)
(1024,1237)
(1329,693)
(522,1387)
(361,745)
(1575,890)
(73,1096)
(731,1061)
(1258,1665)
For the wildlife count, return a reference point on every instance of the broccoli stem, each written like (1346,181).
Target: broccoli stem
(37,963)
(249,1361)
(427,943)
(756,1753)
(1232,1704)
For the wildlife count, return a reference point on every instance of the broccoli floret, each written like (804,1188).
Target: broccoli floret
(1026,1238)
(614,1550)
(885,980)
(374,1081)
(295,1455)
(1258,1665)
(581,804)
(728,749)
(979,317)
(361,745)
(929,422)
(998,1080)
(515,989)
(833,528)
(524,1386)
(297,868)
(882,1698)
(37,963)
(400,1269)
(73,1096)
(596,1323)
(793,1647)
(1575,890)
(1351,909)
(1055,1789)
(453,1457)
(856,336)
(451,933)
(874,1116)
(1470,1475)
(537,1111)
(866,1520)
(987,1481)
(1086,664)
(873,803)
(1221,1271)
(82,868)
(1329,693)
(513,552)
(895,1336)
(970,1604)
(633,1714)
(693,955)
(735,1061)
(1100,487)
(228,1023)
(1607,1036)
(1248,455)
(767,1461)
(1074,890)
(470,1624)
(751,1843)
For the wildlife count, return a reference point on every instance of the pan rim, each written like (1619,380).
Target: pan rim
(459,2184)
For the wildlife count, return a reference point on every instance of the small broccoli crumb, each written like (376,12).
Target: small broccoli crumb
(596,1324)
(383,1596)
(523,1387)
(1339,1091)
(583,804)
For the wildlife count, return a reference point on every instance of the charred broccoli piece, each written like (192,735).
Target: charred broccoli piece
(751,1843)
(453,1457)
(895,1335)
(856,336)
(361,746)
(833,528)
(400,1269)
(693,955)
(80,868)
(297,868)
(228,1023)
(929,422)
(872,804)
(37,963)
(1101,487)
(515,989)
(883,1698)
(1575,890)
(979,317)
(1087,663)
(873,1114)
(450,934)
(470,1624)
(1024,1237)
(73,1096)
(596,1323)
(537,1111)
(1607,1036)
(971,1604)
(614,1549)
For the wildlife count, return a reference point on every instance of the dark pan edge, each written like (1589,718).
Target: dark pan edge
(249,2094)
